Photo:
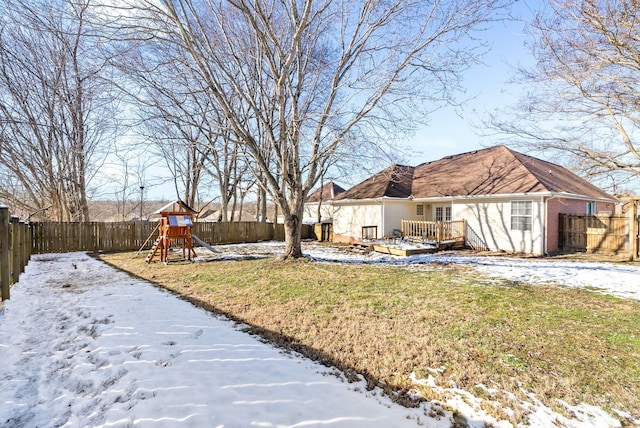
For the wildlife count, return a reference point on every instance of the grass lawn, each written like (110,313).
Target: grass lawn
(387,322)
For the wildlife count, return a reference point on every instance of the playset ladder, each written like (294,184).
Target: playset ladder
(149,238)
(153,250)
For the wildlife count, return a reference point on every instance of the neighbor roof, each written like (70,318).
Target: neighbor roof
(325,193)
(492,171)
(393,182)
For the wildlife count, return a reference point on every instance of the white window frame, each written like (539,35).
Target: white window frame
(522,215)
(420,210)
(442,213)
(590,208)
(369,232)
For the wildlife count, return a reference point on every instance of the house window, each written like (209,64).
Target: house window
(443,214)
(369,232)
(420,210)
(521,215)
(590,208)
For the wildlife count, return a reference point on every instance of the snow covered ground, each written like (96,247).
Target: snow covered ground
(618,279)
(82,344)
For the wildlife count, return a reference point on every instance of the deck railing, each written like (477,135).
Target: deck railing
(434,231)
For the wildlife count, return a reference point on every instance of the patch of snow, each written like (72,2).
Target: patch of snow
(83,344)
(539,415)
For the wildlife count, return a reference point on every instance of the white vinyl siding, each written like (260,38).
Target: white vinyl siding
(349,220)
(489,222)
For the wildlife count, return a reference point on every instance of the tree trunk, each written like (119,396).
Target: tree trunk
(234,205)
(261,206)
(293,237)
(320,198)
(242,194)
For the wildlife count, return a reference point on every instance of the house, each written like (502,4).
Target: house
(213,215)
(318,207)
(507,201)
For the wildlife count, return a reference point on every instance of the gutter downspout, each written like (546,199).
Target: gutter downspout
(544,221)
(382,218)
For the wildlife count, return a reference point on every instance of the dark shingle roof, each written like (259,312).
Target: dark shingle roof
(492,171)
(393,182)
(325,193)
(558,179)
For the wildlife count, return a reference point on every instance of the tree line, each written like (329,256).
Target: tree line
(272,97)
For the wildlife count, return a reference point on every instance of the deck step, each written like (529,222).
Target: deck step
(359,247)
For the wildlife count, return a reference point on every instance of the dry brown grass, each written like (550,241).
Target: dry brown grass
(385,322)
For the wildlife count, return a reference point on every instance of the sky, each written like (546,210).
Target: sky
(83,344)
(452,131)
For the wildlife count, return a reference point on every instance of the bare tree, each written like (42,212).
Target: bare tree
(308,73)
(128,177)
(173,114)
(180,122)
(55,108)
(584,98)
(184,154)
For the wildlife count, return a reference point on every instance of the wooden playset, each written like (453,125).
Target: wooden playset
(174,228)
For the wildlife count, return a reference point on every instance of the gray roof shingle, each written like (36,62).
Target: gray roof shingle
(493,171)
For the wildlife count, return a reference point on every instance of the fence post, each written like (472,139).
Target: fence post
(26,245)
(16,241)
(5,251)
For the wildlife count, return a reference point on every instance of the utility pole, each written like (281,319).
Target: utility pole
(141,200)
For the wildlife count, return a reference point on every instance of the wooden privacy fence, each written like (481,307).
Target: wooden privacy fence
(54,237)
(57,237)
(323,232)
(608,234)
(15,251)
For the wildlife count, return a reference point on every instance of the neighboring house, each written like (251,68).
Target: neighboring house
(117,211)
(318,207)
(509,201)
(216,215)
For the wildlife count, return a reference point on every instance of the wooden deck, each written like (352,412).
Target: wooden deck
(381,248)
(439,235)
